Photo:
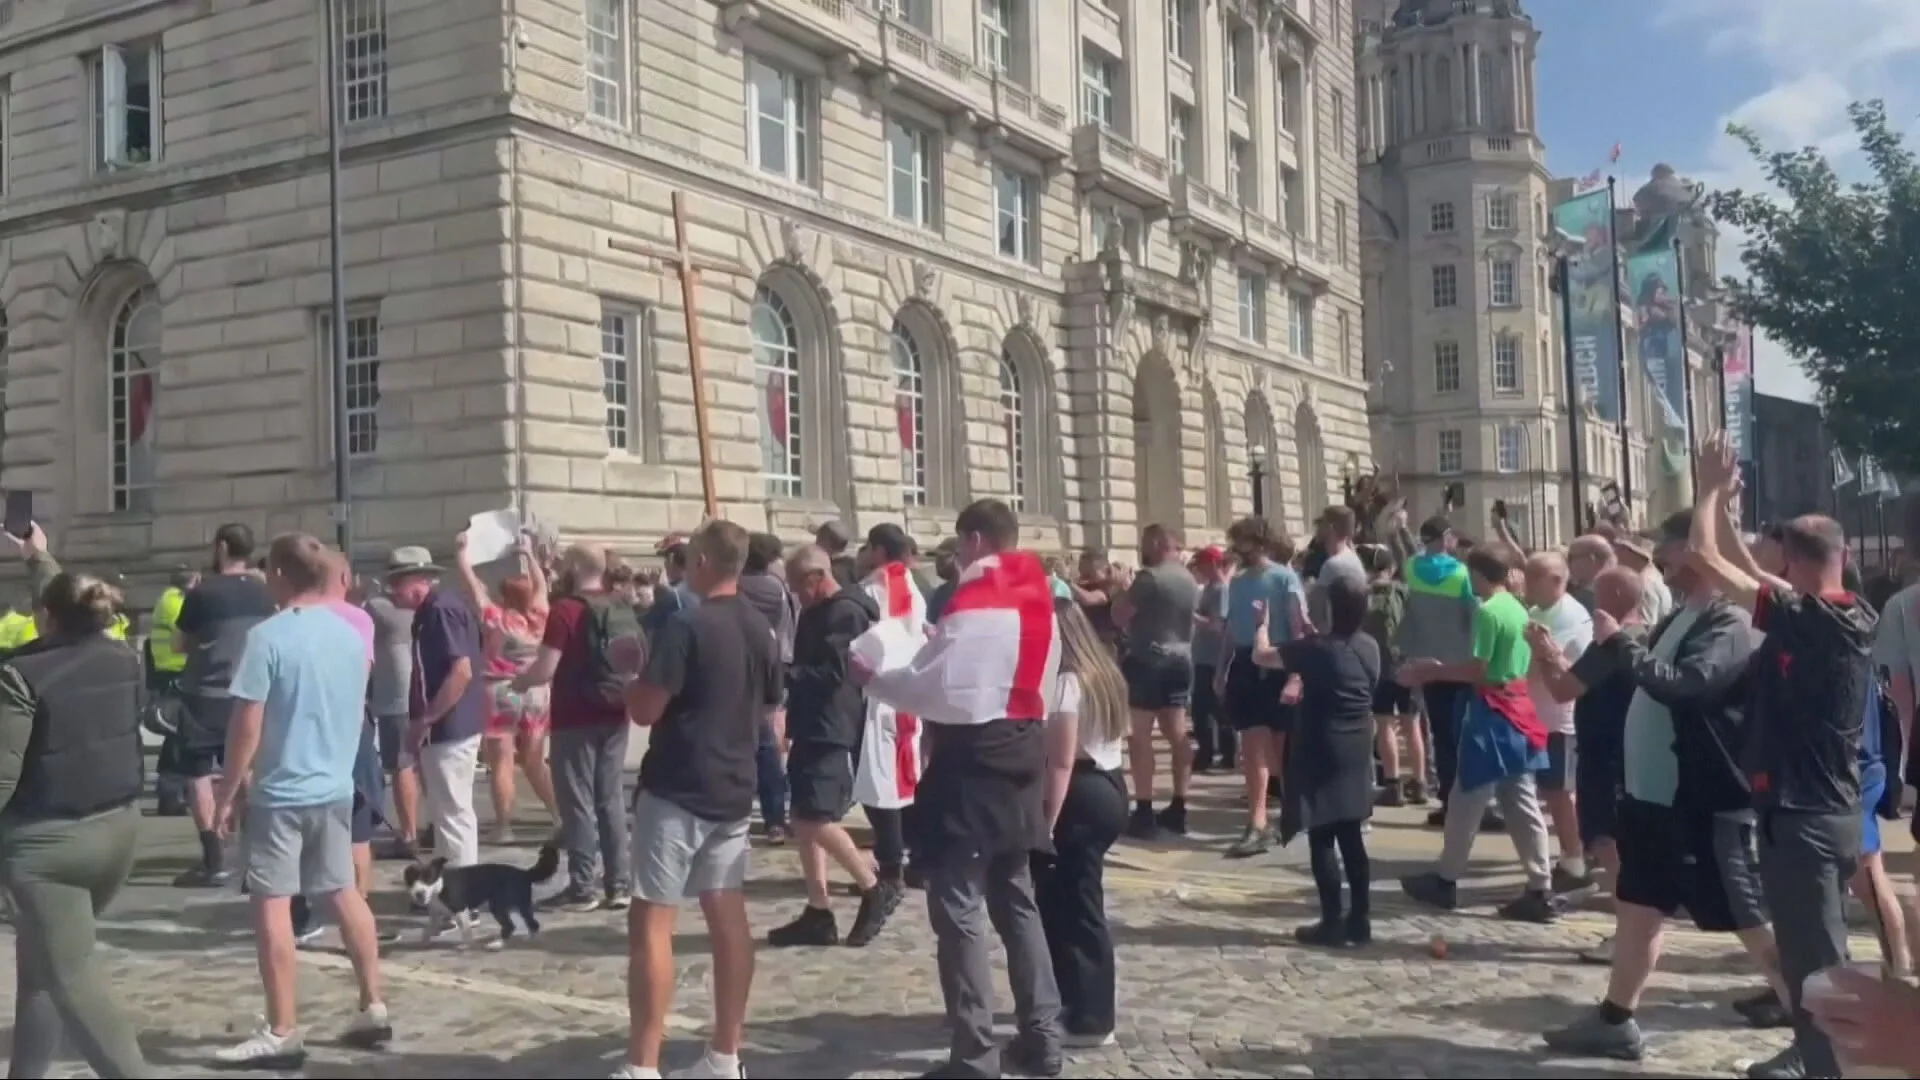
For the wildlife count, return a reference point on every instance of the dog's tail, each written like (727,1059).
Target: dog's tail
(546,865)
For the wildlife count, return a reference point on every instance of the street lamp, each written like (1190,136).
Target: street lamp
(336,258)
(1257,475)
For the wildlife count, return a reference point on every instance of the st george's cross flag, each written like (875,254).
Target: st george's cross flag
(995,654)
(888,767)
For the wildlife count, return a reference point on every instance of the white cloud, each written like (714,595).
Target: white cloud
(1818,58)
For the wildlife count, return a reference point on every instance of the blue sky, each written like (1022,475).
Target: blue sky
(1663,77)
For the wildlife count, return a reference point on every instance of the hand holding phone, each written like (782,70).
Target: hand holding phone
(19,514)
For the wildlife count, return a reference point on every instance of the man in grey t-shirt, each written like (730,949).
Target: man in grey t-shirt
(388,686)
(1343,564)
(1156,615)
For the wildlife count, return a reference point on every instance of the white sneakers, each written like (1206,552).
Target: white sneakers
(371,1028)
(711,1066)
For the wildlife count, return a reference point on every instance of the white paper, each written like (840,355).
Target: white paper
(492,535)
(887,646)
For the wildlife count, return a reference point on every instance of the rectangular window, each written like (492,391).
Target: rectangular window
(1346,342)
(1293,199)
(779,130)
(911,153)
(1453,454)
(1505,294)
(1253,306)
(626,379)
(1500,213)
(1300,324)
(1340,231)
(126,106)
(363,59)
(1510,450)
(1015,195)
(1240,174)
(1240,65)
(1446,367)
(6,154)
(1440,217)
(1181,147)
(1506,364)
(1292,90)
(363,378)
(1339,121)
(999,30)
(1099,77)
(608,61)
(1181,23)
(915,13)
(1446,286)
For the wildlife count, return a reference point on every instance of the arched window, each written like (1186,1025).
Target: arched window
(133,359)
(1014,430)
(776,378)
(910,412)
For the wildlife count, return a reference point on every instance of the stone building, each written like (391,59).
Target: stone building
(941,257)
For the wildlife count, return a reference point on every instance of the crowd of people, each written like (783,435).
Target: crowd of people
(1693,721)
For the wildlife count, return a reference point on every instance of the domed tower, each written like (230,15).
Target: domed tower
(1455,258)
(1665,195)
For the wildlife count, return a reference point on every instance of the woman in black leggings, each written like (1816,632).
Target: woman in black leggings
(1329,766)
(1087,802)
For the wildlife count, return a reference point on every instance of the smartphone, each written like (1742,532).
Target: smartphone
(1499,509)
(19,521)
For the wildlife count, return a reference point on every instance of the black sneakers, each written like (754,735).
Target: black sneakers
(877,905)
(814,926)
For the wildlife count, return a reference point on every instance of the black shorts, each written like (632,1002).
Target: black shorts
(1596,787)
(202,733)
(1392,699)
(1704,863)
(1158,682)
(1252,700)
(1561,763)
(819,782)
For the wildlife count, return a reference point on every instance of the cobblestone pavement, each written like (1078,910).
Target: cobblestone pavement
(1212,983)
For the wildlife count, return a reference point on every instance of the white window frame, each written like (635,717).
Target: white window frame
(1290,85)
(1300,314)
(626,379)
(1241,61)
(1293,205)
(608,61)
(781,358)
(910,391)
(1001,23)
(1440,218)
(1503,283)
(1023,216)
(915,13)
(127,362)
(1182,21)
(1099,88)
(6,136)
(919,171)
(1451,456)
(363,379)
(1446,286)
(363,60)
(1239,163)
(1013,409)
(1179,135)
(1251,302)
(1506,364)
(113,111)
(1500,213)
(1341,236)
(1446,367)
(793,113)
(1509,448)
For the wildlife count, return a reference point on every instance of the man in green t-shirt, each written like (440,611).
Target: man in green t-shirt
(1498,669)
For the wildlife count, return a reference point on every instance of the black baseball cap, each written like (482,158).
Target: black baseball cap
(1434,528)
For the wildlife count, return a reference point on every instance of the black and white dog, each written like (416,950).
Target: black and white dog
(451,894)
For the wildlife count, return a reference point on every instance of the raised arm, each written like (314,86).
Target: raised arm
(1739,580)
(536,574)
(470,582)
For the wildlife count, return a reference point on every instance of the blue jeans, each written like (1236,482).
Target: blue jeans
(772,779)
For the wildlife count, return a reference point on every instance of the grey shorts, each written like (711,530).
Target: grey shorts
(299,850)
(1561,761)
(394,754)
(677,855)
(1736,851)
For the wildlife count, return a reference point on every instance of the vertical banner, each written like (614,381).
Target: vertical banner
(1653,291)
(1736,375)
(1596,342)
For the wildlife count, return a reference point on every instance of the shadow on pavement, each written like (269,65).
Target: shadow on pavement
(1661,1010)
(1403,1055)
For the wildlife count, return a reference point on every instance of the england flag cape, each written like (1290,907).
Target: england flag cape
(889,764)
(995,654)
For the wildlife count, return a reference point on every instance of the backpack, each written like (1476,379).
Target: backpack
(1386,606)
(613,647)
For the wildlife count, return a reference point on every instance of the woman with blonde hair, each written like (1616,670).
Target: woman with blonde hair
(517,720)
(1086,800)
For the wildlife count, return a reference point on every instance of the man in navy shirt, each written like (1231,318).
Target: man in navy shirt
(446,712)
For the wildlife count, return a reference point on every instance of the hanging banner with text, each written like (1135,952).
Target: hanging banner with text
(1596,336)
(1655,296)
(1736,370)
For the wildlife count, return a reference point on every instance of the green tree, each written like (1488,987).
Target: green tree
(1833,275)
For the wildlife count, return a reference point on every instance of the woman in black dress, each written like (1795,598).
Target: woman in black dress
(1329,766)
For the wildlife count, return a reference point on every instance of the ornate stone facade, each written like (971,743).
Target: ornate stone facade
(515,336)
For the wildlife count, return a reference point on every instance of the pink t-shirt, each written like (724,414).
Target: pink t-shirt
(360,620)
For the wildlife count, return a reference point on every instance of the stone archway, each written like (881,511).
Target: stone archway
(1159,484)
(1310,448)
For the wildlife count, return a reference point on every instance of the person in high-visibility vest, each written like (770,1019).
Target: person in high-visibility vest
(15,625)
(167,662)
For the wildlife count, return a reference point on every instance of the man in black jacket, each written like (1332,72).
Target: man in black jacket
(825,715)
(1683,828)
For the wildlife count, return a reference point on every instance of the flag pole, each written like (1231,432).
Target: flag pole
(1686,366)
(1620,342)
(1563,277)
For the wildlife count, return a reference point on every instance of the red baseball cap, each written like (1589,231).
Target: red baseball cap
(1212,553)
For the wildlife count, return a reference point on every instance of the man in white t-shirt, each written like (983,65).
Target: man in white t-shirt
(1552,606)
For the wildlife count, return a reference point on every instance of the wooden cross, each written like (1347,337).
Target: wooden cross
(683,262)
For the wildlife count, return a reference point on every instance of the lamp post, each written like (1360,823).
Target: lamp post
(336,257)
(1257,476)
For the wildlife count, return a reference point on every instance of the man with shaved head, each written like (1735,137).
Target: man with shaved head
(1571,629)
